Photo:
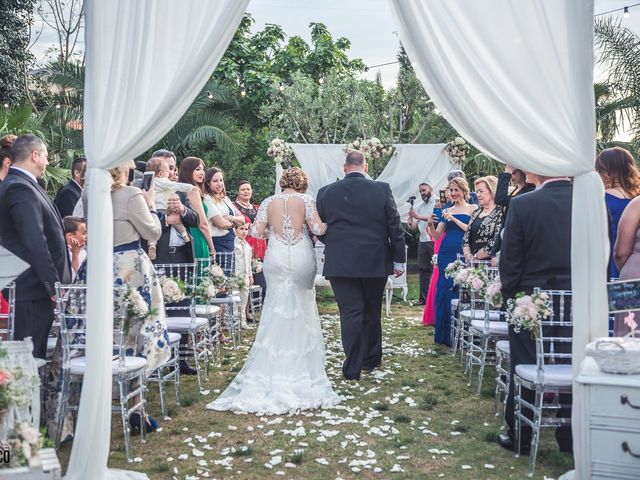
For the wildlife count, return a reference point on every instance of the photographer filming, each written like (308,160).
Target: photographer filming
(418,216)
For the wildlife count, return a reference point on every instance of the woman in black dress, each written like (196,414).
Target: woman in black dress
(485,223)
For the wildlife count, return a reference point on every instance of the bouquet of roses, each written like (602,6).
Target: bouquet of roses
(525,312)
(172,289)
(206,289)
(280,151)
(494,293)
(5,383)
(216,275)
(477,279)
(237,282)
(24,442)
(453,268)
(457,148)
(256,265)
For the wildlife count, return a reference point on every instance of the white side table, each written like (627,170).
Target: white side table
(611,418)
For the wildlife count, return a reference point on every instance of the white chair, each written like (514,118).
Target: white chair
(128,372)
(168,372)
(255,300)
(552,375)
(183,320)
(503,367)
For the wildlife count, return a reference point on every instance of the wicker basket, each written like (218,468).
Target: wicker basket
(619,355)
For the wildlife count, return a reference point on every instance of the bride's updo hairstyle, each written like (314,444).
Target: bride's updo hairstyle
(294,178)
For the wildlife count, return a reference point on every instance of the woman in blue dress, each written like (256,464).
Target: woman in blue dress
(454,223)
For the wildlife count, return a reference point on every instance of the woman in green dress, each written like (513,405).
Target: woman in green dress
(192,171)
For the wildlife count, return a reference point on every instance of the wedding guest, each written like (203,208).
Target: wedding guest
(75,233)
(170,158)
(485,223)
(69,194)
(418,216)
(627,255)
(164,190)
(457,173)
(243,203)
(518,179)
(192,171)
(31,228)
(621,179)
(5,155)
(429,314)
(134,219)
(536,253)
(454,224)
(222,215)
(243,255)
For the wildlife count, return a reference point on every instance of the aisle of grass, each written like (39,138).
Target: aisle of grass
(414,418)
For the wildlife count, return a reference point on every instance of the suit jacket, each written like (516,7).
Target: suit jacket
(364,235)
(31,228)
(67,197)
(536,248)
(190,219)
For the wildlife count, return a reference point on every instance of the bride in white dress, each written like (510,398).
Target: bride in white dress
(285,368)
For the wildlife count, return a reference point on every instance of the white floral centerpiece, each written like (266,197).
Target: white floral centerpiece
(457,148)
(24,442)
(280,151)
(371,148)
(525,312)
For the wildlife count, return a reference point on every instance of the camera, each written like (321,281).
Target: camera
(412,199)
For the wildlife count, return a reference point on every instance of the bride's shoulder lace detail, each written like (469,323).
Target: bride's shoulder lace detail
(259,226)
(314,222)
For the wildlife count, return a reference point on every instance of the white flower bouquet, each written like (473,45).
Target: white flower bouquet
(457,148)
(24,442)
(452,269)
(172,289)
(280,151)
(371,148)
(525,312)
(256,265)
(216,275)
(206,289)
(494,293)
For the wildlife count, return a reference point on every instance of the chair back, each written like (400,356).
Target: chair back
(7,320)
(555,334)
(71,312)
(186,274)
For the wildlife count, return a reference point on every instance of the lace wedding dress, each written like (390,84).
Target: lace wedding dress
(285,368)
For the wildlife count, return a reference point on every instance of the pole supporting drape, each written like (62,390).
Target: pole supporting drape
(147,60)
(516,80)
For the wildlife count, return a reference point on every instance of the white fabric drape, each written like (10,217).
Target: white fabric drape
(516,80)
(411,165)
(321,162)
(146,62)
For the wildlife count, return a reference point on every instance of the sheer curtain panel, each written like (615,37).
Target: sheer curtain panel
(516,80)
(146,62)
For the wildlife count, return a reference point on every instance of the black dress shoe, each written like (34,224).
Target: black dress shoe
(506,442)
(186,369)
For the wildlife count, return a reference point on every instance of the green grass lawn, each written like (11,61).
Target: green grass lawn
(415,418)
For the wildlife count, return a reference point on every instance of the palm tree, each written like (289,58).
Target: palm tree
(618,98)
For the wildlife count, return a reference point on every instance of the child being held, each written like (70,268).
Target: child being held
(164,190)
(243,254)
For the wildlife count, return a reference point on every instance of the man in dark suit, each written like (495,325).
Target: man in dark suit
(69,194)
(364,244)
(31,228)
(536,253)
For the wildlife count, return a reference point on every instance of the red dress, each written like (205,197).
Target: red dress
(429,315)
(259,246)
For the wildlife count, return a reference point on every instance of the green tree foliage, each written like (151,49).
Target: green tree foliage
(15,22)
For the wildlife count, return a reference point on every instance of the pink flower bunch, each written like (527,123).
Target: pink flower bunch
(5,377)
(494,293)
(527,311)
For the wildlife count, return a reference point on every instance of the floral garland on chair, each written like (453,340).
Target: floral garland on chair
(525,312)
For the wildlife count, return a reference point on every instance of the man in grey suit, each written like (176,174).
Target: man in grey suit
(31,228)
(364,244)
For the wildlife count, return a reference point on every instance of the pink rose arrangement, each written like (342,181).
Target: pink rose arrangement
(525,312)
(494,293)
